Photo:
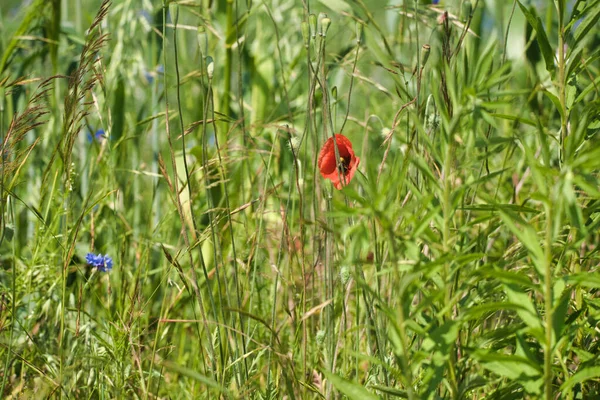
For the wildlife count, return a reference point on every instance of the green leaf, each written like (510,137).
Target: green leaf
(510,366)
(541,37)
(560,5)
(576,63)
(118,111)
(588,158)
(477,311)
(581,376)
(508,277)
(531,352)
(442,336)
(527,311)
(589,21)
(391,391)
(589,187)
(556,102)
(560,311)
(514,118)
(528,238)
(499,207)
(353,390)
(190,373)
(571,205)
(588,89)
(584,279)
(470,383)
(571,92)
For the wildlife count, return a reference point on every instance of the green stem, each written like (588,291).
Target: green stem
(548,373)
(449,160)
(562,93)
(225,101)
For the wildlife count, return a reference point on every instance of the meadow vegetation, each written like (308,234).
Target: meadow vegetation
(166,232)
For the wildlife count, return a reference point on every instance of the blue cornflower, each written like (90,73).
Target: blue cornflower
(435,1)
(103,263)
(149,76)
(99,134)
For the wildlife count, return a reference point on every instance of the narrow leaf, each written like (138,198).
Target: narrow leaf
(541,37)
(353,390)
(581,376)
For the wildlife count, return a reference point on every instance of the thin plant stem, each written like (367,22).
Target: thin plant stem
(548,372)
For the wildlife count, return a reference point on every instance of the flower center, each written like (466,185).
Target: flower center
(344,165)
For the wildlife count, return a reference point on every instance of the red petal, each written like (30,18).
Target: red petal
(327,161)
(352,169)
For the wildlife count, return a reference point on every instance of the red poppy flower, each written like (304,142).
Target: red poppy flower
(342,175)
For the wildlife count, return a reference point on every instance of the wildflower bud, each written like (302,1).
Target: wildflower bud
(321,16)
(325,22)
(334,93)
(210,67)
(359,31)
(442,18)
(312,23)
(431,114)
(467,8)
(202,40)
(305,33)
(425,50)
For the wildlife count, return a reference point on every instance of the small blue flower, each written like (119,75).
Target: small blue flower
(103,263)
(435,1)
(93,259)
(149,77)
(99,134)
(108,263)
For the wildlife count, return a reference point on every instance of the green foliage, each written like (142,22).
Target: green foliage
(182,141)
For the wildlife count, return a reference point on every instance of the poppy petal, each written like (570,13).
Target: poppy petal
(327,161)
